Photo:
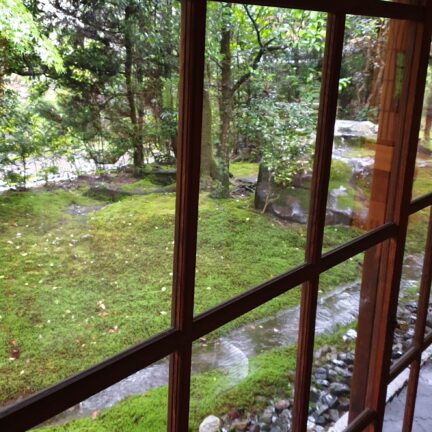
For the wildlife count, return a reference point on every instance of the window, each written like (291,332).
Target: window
(383,244)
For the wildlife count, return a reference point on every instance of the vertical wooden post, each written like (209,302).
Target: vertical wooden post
(317,214)
(420,327)
(401,104)
(193,18)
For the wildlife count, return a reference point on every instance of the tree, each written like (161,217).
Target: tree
(121,61)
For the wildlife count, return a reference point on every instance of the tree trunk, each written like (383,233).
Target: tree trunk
(428,119)
(207,161)
(137,145)
(225,108)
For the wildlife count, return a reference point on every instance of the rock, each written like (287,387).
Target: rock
(314,395)
(281,405)
(322,383)
(321,374)
(333,415)
(343,374)
(343,403)
(347,358)
(163,177)
(350,129)
(267,416)
(339,363)
(240,425)
(106,193)
(339,389)
(210,424)
(275,428)
(351,334)
(284,420)
(320,420)
(329,400)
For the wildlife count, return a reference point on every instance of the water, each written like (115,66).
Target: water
(231,352)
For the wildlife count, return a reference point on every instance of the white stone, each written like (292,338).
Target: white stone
(210,424)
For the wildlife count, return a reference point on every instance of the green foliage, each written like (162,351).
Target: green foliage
(23,35)
(285,135)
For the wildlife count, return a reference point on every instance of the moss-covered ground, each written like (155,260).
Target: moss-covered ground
(80,286)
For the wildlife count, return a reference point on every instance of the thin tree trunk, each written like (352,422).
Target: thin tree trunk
(138,152)
(225,108)
(207,162)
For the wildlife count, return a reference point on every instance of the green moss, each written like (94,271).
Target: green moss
(270,376)
(57,270)
(244,169)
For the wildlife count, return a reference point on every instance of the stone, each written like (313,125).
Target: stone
(347,358)
(321,374)
(339,389)
(343,403)
(320,420)
(284,420)
(329,400)
(333,415)
(322,383)
(210,424)
(351,334)
(281,405)
(339,363)
(275,428)
(314,395)
(240,425)
(267,415)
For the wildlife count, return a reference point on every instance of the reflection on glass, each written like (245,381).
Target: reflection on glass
(139,402)
(243,373)
(261,93)
(336,323)
(410,283)
(423,176)
(396,402)
(356,129)
(88,109)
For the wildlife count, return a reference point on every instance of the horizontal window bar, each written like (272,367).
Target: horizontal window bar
(364,419)
(402,363)
(47,403)
(427,341)
(234,308)
(420,203)
(367,8)
(357,245)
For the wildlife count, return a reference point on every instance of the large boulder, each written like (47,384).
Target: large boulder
(292,203)
(354,133)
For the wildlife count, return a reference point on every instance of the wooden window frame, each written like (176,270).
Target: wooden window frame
(177,341)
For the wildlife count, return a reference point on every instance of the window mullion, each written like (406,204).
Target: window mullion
(317,213)
(420,327)
(193,13)
(414,41)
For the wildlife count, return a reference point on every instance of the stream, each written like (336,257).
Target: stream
(231,352)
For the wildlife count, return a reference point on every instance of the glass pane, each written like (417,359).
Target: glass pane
(334,350)
(243,373)
(410,283)
(87,173)
(395,408)
(139,402)
(423,176)
(259,120)
(363,143)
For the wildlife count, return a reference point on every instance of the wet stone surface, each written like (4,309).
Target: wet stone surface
(393,419)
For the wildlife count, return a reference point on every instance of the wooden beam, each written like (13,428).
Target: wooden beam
(317,214)
(193,20)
